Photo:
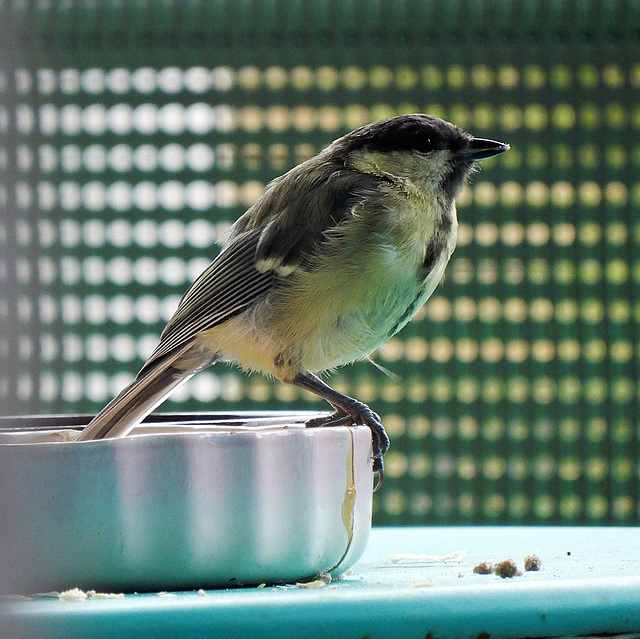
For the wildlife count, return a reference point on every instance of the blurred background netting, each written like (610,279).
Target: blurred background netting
(133,133)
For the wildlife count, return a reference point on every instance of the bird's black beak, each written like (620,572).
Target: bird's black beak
(480,149)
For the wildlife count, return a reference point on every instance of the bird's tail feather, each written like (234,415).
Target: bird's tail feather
(154,383)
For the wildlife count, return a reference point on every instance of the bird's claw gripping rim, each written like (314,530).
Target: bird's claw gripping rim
(365,416)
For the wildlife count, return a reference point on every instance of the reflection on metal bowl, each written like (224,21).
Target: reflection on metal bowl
(185,501)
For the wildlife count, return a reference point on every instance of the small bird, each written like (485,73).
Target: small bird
(330,262)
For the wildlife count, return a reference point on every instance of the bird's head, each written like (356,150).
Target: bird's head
(432,154)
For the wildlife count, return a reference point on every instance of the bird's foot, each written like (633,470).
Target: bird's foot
(338,418)
(348,411)
(359,413)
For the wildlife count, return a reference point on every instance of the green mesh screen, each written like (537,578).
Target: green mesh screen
(132,133)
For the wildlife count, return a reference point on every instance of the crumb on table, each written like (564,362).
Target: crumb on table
(483,568)
(73,594)
(506,569)
(532,563)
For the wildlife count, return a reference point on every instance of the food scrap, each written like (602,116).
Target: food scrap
(322,580)
(457,555)
(73,594)
(483,568)
(105,595)
(506,569)
(422,584)
(532,563)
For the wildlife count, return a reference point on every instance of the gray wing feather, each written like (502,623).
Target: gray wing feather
(227,287)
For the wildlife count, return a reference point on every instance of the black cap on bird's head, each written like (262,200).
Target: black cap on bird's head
(420,133)
(425,136)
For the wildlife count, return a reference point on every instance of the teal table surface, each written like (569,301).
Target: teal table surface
(589,583)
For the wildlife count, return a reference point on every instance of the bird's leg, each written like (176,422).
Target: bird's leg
(348,411)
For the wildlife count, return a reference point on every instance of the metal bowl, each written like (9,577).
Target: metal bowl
(184,501)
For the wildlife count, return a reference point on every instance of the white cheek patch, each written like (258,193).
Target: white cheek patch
(439,164)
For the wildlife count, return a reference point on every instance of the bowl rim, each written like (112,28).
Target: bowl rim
(232,419)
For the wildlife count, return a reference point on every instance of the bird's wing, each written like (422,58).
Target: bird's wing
(227,287)
(295,221)
(256,255)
